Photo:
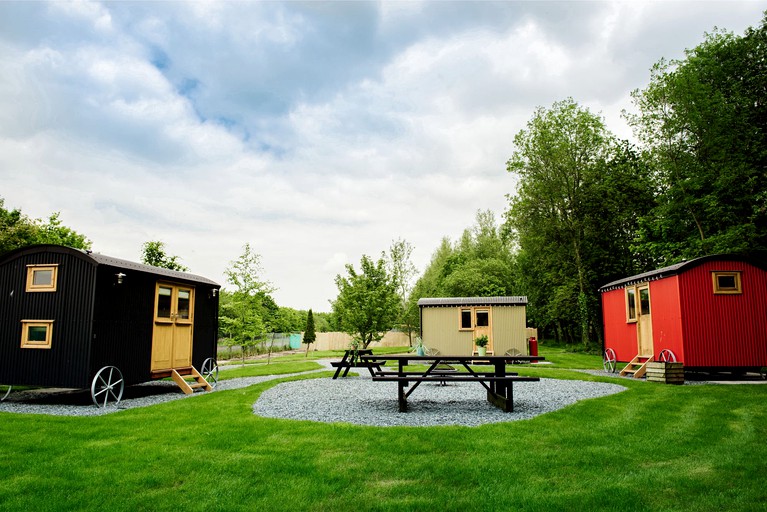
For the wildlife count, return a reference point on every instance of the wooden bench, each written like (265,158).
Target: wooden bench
(350,361)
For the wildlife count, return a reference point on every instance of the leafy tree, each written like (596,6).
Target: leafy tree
(703,123)
(17,230)
(322,322)
(309,334)
(153,253)
(239,321)
(243,315)
(367,304)
(579,197)
(403,271)
(479,264)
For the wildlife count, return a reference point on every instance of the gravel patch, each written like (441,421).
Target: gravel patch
(356,400)
(67,402)
(360,401)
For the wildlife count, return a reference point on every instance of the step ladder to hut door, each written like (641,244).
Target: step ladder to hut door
(189,379)
(637,366)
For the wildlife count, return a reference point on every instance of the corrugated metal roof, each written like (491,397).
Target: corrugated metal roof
(516,300)
(678,268)
(172,274)
(100,259)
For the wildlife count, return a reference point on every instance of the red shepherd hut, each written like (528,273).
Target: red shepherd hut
(709,313)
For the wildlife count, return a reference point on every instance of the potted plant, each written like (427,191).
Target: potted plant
(419,348)
(481,343)
(354,345)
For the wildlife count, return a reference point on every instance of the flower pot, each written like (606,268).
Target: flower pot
(482,351)
(420,351)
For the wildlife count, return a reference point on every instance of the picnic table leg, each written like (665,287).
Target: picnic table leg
(340,366)
(401,399)
(502,394)
(401,385)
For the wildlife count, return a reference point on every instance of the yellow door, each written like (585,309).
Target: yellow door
(483,325)
(644,321)
(173,327)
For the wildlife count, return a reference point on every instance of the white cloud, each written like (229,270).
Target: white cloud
(315,132)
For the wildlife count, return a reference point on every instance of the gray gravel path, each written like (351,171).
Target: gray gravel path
(356,400)
(361,401)
(78,402)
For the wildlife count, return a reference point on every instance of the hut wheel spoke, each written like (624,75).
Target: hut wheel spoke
(108,384)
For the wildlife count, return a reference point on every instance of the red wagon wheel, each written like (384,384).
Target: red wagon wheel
(666,356)
(108,386)
(609,360)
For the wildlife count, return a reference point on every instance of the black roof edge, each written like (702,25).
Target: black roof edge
(677,268)
(100,259)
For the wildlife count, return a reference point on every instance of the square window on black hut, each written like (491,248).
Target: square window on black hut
(77,319)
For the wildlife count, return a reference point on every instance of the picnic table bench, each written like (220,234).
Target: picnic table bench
(350,360)
(499,383)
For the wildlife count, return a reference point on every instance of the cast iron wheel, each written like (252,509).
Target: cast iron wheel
(5,392)
(108,386)
(209,371)
(609,360)
(666,356)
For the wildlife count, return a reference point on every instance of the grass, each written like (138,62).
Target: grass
(652,447)
(279,367)
(313,355)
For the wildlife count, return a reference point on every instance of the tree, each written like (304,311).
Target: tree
(309,334)
(17,230)
(403,271)
(703,123)
(244,273)
(244,313)
(153,253)
(479,264)
(574,214)
(367,304)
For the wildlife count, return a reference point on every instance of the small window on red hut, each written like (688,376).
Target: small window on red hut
(726,283)
(631,305)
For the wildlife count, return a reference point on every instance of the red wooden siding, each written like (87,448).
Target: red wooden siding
(619,335)
(724,330)
(666,317)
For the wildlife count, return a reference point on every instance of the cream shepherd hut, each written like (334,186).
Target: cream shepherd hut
(450,325)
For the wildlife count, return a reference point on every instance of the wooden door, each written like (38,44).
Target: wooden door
(644,321)
(173,327)
(483,325)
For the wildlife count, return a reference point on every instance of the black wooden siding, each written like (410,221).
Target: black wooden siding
(70,307)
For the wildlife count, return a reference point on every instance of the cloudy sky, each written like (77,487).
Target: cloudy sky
(315,131)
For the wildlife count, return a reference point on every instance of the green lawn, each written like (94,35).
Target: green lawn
(276,367)
(653,447)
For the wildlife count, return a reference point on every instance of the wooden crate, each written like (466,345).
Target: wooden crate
(669,373)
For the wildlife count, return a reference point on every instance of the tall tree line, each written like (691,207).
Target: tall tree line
(590,208)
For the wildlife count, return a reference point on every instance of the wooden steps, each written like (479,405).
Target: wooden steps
(637,366)
(189,380)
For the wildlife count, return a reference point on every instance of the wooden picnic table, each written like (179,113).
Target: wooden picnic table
(498,382)
(350,360)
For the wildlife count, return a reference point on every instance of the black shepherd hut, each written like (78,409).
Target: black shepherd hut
(77,319)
